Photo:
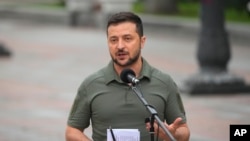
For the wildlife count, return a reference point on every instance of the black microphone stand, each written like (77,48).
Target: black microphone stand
(154,115)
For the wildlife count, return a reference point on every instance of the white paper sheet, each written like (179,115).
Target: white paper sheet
(124,135)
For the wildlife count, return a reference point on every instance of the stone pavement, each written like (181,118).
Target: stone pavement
(39,82)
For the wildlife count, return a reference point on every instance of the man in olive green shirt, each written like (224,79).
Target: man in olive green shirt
(106,101)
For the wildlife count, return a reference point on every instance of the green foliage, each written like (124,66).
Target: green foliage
(188,9)
(60,4)
(138,6)
(234,15)
(234,10)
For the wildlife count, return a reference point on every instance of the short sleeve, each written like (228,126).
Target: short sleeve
(79,116)
(174,108)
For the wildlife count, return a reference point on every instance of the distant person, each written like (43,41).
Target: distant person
(248,8)
(4,52)
(105,100)
(77,8)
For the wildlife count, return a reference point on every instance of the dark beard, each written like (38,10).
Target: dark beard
(130,61)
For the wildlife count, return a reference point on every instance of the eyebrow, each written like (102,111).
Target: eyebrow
(114,36)
(127,35)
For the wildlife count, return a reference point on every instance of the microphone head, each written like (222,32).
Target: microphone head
(124,75)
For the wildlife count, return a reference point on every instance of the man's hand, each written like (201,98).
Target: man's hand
(178,129)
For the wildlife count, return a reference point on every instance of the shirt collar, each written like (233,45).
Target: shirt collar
(110,74)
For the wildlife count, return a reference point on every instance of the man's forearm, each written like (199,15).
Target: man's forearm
(73,134)
(182,134)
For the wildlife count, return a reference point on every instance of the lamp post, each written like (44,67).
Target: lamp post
(213,55)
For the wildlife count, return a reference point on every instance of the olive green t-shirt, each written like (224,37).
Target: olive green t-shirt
(106,101)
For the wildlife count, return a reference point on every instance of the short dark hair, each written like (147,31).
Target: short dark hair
(126,17)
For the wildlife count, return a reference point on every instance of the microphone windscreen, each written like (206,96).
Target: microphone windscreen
(124,75)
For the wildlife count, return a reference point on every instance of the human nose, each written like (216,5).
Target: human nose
(120,44)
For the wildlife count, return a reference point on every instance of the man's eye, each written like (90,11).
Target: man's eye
(113,40)
(128,39)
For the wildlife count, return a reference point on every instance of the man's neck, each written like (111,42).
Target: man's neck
(136,67)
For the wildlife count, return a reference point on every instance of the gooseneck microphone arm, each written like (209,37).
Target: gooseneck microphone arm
(153,112)
(128,75)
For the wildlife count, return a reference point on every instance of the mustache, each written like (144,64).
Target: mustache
(121,51)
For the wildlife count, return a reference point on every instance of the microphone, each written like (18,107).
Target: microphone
(128,76)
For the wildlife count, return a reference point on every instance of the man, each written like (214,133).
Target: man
(107,101)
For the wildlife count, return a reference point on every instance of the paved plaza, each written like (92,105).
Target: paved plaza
(39,81)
